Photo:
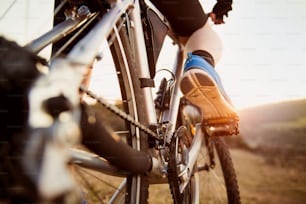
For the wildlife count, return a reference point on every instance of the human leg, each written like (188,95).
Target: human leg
(201,84)
(205,42)
(184,16)
(103,141)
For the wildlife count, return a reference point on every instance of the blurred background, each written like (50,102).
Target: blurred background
(264,72)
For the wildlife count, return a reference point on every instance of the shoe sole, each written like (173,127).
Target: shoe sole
(201,90)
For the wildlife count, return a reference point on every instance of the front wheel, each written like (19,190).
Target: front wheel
(178,157)
(216,175)
(218,180)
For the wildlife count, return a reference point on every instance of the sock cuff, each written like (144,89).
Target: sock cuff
(205,55)
(196,61)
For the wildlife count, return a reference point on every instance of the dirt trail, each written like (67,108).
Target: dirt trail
(264,183)
(259,182)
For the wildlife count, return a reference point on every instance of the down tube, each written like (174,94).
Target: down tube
(143,68)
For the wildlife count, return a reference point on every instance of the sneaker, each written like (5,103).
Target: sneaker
(201,85)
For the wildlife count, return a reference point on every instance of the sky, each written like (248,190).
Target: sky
(264,57)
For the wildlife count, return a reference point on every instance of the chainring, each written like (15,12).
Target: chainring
(179,142)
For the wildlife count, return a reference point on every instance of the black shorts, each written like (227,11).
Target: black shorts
(184,16)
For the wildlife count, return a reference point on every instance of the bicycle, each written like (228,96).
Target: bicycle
(133,32)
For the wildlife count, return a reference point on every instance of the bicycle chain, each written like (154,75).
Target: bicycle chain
(173,178)
(118,112)
(172,171)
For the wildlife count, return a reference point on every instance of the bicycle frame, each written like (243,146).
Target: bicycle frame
(85,52)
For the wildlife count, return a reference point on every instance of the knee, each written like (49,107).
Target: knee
(205,39)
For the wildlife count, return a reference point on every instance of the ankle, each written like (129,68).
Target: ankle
(206,56)
(194,61)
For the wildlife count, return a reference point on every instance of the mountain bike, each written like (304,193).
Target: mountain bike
(195,160)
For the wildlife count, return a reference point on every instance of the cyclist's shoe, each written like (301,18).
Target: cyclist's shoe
(201,85)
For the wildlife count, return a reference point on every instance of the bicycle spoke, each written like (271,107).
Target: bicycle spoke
(89,185)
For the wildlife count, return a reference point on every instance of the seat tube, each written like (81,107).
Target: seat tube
(172,114)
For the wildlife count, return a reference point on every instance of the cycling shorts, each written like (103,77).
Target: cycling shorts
(184,16)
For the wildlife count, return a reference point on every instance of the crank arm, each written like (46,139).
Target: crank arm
(93,161)
(195,148)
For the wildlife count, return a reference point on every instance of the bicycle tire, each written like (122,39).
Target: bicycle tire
(137,186)
(229,172)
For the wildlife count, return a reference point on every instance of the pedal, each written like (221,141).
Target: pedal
(221,127)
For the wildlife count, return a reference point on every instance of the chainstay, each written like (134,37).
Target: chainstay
(118,112)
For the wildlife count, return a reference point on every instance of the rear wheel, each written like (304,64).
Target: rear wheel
(132,189)
(116,81)
(121,75)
